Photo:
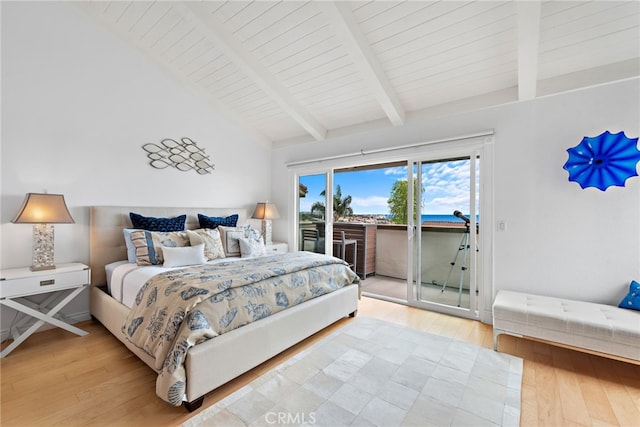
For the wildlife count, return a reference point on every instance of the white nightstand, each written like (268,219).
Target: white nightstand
(277,247)
(18,284)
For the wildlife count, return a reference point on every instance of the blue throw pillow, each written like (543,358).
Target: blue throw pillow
(157,224)
(131,249)
(632,300)
(215,221)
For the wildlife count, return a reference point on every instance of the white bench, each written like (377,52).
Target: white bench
(597,328)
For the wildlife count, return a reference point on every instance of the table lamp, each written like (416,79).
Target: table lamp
(42,210)
(266,212)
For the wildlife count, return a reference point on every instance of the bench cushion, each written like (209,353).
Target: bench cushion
(598,327)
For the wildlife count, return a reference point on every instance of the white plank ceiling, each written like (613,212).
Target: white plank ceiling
(296,71)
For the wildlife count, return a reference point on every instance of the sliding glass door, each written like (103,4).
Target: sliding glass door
(312,212)
(444,234)
(424,208)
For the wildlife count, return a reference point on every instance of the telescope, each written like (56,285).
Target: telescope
(462,217)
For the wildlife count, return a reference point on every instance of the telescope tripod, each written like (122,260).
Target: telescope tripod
(464,248)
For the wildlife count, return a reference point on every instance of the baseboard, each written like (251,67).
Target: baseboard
(73,317)
(487,317)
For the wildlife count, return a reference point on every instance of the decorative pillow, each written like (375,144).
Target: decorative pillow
(149,244)
(215,221)
(131,249)
(251,247)
(157,224)
(212,242)
(180,257)
(632,300)
(230,236)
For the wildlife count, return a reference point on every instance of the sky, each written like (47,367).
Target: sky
(446,186)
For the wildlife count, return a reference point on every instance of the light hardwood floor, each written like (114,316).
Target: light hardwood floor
(56,378)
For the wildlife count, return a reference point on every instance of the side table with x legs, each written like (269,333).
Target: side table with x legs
(18,286)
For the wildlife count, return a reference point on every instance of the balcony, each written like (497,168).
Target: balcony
(383,254)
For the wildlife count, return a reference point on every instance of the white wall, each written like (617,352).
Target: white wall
(560,240)
(77,106)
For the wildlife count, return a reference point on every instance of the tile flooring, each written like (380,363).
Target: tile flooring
(375,373)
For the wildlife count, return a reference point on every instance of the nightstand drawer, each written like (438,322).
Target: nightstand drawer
(42,283)
(277,247)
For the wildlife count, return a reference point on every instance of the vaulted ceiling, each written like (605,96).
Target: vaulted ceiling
(296,71)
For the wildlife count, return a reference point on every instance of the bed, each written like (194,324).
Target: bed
(237,350)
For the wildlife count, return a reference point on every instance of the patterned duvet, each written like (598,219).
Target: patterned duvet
(178,309)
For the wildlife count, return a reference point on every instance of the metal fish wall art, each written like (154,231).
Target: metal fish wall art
(184,156)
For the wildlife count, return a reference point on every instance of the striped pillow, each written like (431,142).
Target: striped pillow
(149,244)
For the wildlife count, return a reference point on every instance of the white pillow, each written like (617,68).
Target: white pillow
(183,256)
(252,247)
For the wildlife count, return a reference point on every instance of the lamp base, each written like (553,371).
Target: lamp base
(266,231)
(46,267)
(42,255)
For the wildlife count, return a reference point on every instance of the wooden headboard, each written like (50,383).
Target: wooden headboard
(106,241)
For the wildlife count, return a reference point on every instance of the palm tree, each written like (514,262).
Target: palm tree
(318,208)
(341,207)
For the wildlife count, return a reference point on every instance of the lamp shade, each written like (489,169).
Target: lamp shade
(266,210)
(39,208)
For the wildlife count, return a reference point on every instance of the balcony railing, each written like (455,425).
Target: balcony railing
(385,247)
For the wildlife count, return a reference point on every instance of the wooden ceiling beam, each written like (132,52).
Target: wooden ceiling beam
(528,21)
(344,24)
(215,30)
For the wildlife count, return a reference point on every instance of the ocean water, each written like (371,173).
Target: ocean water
(444,217)
(435,217)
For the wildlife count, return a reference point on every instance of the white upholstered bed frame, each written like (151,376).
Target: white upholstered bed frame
(216,361)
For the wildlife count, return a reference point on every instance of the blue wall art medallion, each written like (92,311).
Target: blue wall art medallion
(604,160)
(184,155)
